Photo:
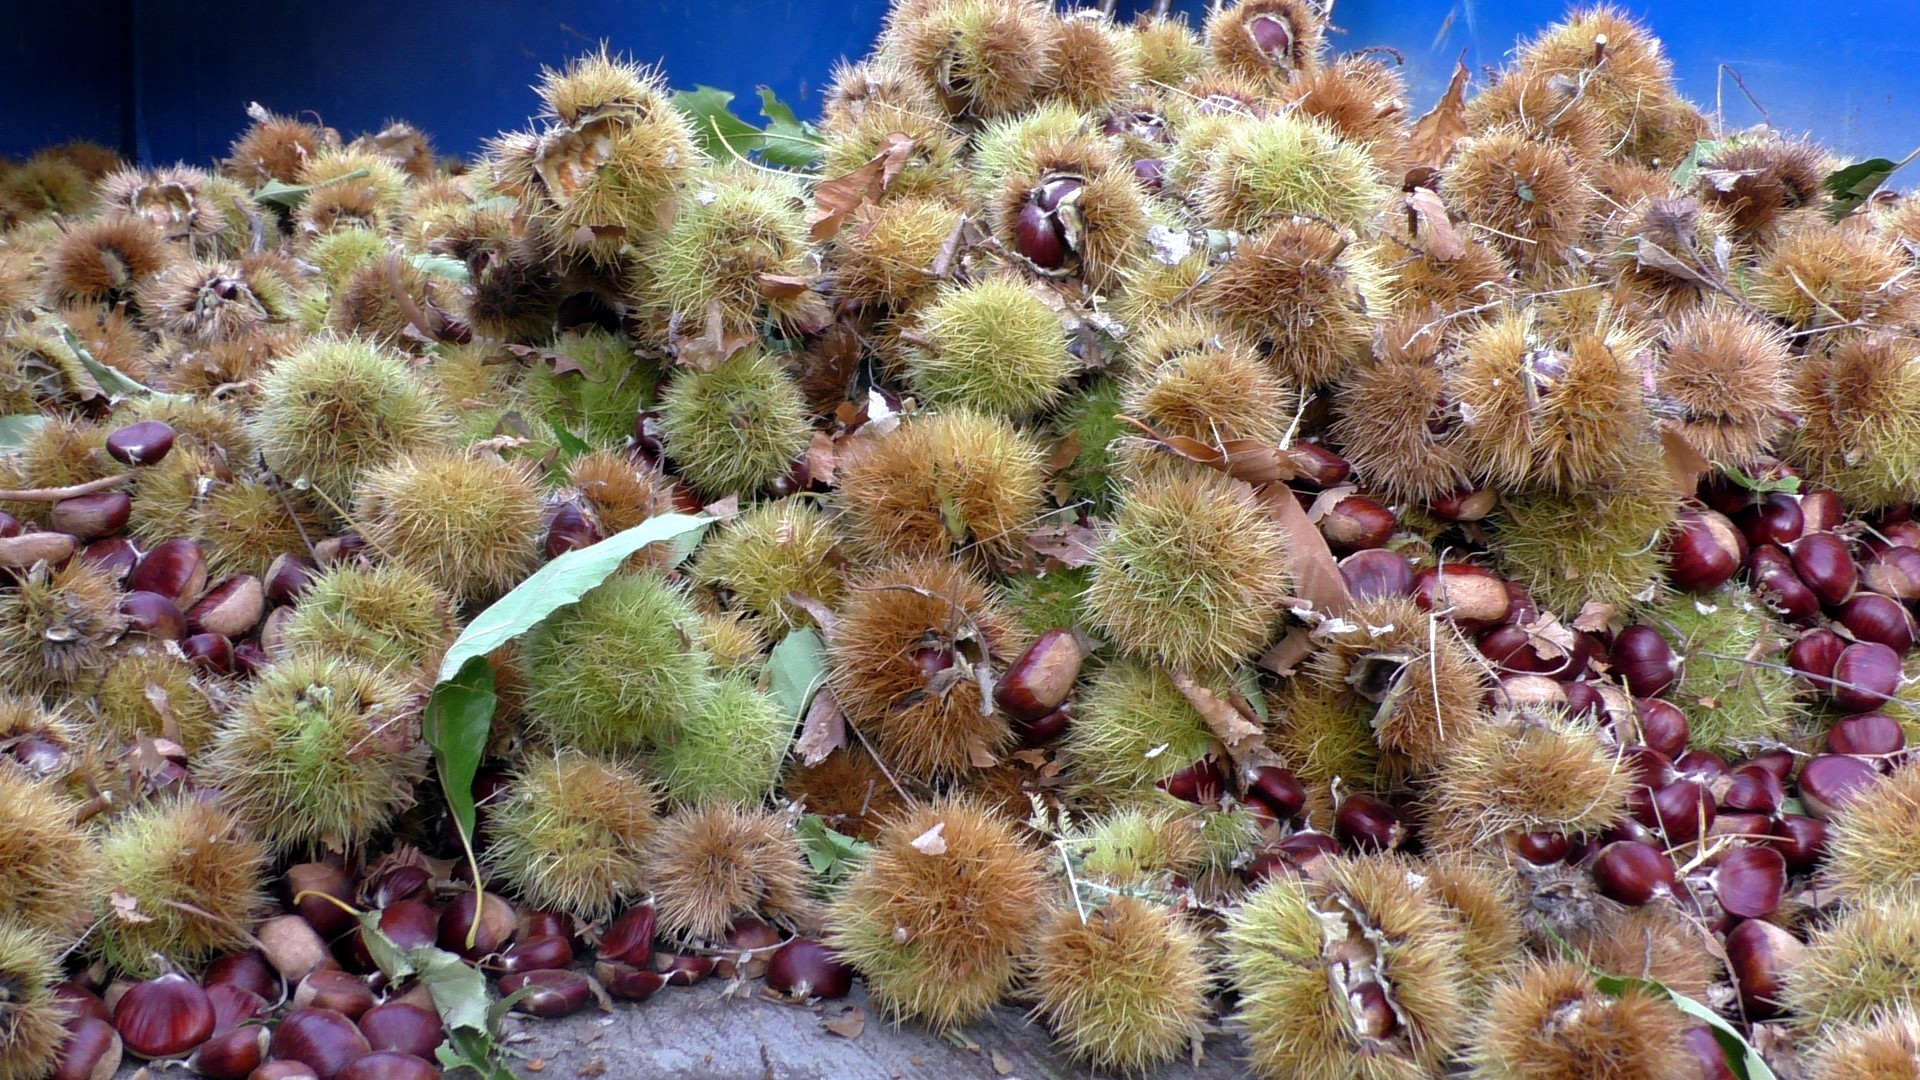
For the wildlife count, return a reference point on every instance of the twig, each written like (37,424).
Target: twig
(1729,69)
(875,755)
(73,491)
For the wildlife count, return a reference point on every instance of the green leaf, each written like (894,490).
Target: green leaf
(1703,151)
(1852,186)
(290,196)
(116,384)
(441,266)
(796,669)
(17,430)
(1789,485)
(571,445)
(715,127)
(787,141)
(387,955)
(1742,1058)
(459,990)
(557,584)
(833,855)
(458,723)
(1247,681)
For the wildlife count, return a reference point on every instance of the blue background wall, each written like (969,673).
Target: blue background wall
(460,69)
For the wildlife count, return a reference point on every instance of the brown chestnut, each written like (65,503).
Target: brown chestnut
(231,1055)
(92,1051)
(1704,550)
(173,568)
(1040,678)
(1761,956)
(386,1065)
(805,968)
(90,517)
(1377,573)
(549,993)
(140,443)
(230,608)
(321,1039)
(486,920)
(163,1018)
(403,1028)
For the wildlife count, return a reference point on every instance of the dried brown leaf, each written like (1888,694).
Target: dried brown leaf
(1316,576)
(1239,731)
(822,458)
(1433,136)
(781,286)
(849,1024)
(823,731)
(1071,544)
(1249,460)
(1293,647)
(1427,216)
(837,199)
(1684,463)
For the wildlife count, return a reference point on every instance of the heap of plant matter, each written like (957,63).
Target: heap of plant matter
(1427,592)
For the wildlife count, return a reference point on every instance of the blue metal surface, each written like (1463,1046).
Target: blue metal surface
(461,69)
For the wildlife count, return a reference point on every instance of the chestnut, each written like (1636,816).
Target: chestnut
(1377,573)
(92,1051)
(550,993)
(1750,881)
(1541,848)
(1201,782)
(1040,678)
(394,884)
(81,1001)
(1775,519)
(403,1028)
(630,938)
(1831,781)
(1709,1058)
(1662,726)
(412,924)
(173,568)
(1278,790)
(231,1055)
(805,968)
(682,969)
(1473,597)
(1704,551)
(164,1018)
(1813,655)
(115,556)
(1761,956)
(1318,466)
(1823,561)
(235,1005)
(1754,790)
(321,1039)
(1368,824)
(141,443)
(1865,676)
(386,1065)
(27,549)
(336,990)
(154,615)
(90,517)
(1046,729)
(284,1070)
(1893,572)
(1872,617)
(313,889)
(211,652)
(1822,511)
(288,577)
(231,607)
(1357,523)
(628,982)
(1779,587)
(749,943)
(1872,735)
(547,952)
(1633,873)
(483,918)
(1682,811)
(247,970)
(292,946)
(1801,840)
(1643,657)
(570,530)
(1465,504)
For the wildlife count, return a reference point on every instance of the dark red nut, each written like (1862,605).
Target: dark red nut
(1152,174)
(1872,617)
(551,993)
(1761,957)
(1376,574)
(1272,36)
(1318,466)
(1046,729)
(1643,657)
(343,993)
(312,889)
(385,1065)
(284,1070)
(1278,790)
(1651,768)
(114,556)
(172,568)
(630,938)
(1779,762)
(1473,597)
(1822,511)
(412,924)
(1589,699)
(1754,790)
(570,530)
(1704,551)
(1750,881)
(231,1055)
(1702,766)
(1831,781)
(28,549)
(154,615)
(1814,654)
(1541,848)
(547,953)
(1374,1014)
(1775,519)
(396,883)
(1825,563)
(486,920)
(322,1039)
(1662,726)
(1682,811)
(141,443)
(10,526)
(90,517)
(1779,587)
(231,608)
(1040,678)
(163,1018)
(338,550)
(805,968)
(81,1001)
(537,923)
(1466,504)
(682,969)
(1357,523)
(1709,1057)
(92,1051)
(212,652)
(1633,873)
(1201,782)
(1510,648)
(234,1005)
(246,970)
(1866,676)
(933,661)
(1365,823)
(1037,237)
(1742,825)
(403,1028)
(1801,840)
(628,982)
(1893,572)
(289,577)
(1871,735)
(749,943)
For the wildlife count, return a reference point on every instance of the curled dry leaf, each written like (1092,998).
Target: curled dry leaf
(1070,544)
(1243,459)
(822,458)
(1229,724)
(849,1024)
(1324,502)
(933,841)
(1684,463)
(1431,141)
(1316,576)
(836,200)
(1427,220)
(823,731)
